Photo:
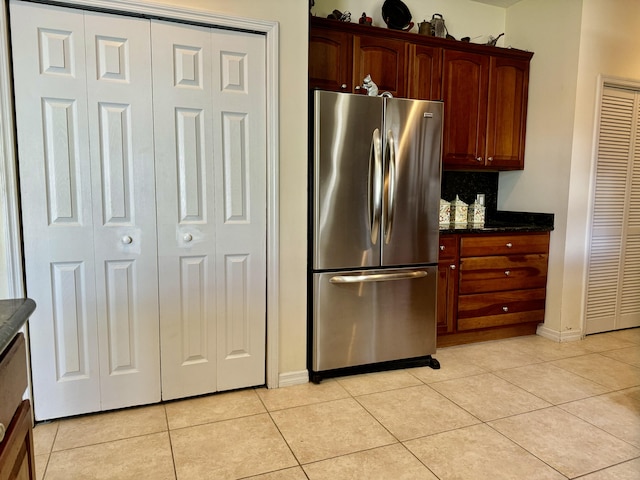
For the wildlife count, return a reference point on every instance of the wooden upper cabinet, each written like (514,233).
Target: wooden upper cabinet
(507,113)
(484,88)
(425,72)
(384,59)
(465,82)
(330,60)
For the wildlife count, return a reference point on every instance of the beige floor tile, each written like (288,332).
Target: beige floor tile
(565,442)
(617,413)
(230,449)
(44,435)
(629,334)
(140,458)
(41,465)
(378,382)
(488,397)
(548,350)
(415,412)
(625,471)
(390,462)
(498,355)
(213,408)
(110,426)
(298,395)
(295,473)
(552,383)
(630,355)
(605,341)
(449,369)
(324,430)
(603,370)
(478,452)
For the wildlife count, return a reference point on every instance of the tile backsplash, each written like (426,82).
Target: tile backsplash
(468,184)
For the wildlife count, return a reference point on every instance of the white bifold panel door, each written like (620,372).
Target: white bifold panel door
(209,102)
(144,250)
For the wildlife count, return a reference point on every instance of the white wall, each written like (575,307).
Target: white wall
(550,29)
(463,18)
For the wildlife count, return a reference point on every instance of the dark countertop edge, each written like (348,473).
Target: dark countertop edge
(14,313)
(508,222)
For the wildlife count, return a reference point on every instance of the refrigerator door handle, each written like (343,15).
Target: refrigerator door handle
(378,277)
(375,182)
(390,186)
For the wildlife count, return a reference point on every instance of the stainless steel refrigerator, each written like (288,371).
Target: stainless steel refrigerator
(374,202)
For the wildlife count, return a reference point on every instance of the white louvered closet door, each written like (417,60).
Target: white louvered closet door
(209,100)
(613,282)
(85,146)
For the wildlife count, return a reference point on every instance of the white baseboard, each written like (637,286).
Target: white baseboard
(293,378)
(557,336)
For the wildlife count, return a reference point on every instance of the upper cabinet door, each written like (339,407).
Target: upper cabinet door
(465,79)
(330,60)
(507,113)
(384,59)
(425,72)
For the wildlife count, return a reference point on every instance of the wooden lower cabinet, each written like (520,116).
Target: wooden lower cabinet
(16,445)
(498,290)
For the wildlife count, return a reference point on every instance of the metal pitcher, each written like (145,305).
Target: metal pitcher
(424,28)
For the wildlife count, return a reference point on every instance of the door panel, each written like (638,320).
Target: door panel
(413,131)
(187,240)
(345,186)
(123,192)
(239,139)
(57,219)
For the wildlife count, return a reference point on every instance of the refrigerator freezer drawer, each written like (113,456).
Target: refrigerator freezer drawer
(365,317)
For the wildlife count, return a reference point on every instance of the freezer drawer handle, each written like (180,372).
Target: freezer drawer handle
(377,277)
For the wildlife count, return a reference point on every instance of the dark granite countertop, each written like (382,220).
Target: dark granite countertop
(503,221)
(13,315)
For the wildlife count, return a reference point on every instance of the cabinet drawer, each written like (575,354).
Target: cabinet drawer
(507,244)
(448,249)
(513,272)
(13,378)
(501,308)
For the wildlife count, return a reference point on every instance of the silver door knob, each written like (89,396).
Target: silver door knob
(442,248)
(505,309)
(478,159)
(509,245)
(490,159)
(343,86)
(452,267)
(507,272)
(187,237)
(127,239)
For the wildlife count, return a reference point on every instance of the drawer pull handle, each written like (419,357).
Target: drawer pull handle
(509,245)
(507,272)
(452,266)
(442,248)
(505,309)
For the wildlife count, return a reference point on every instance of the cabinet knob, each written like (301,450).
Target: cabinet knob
(509,245)
(490,159)
(343,86)
(127,239)
(507,272)
(478,159)
(187,237)
(356,89)
(452,266)
(442,248)
(505,309)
